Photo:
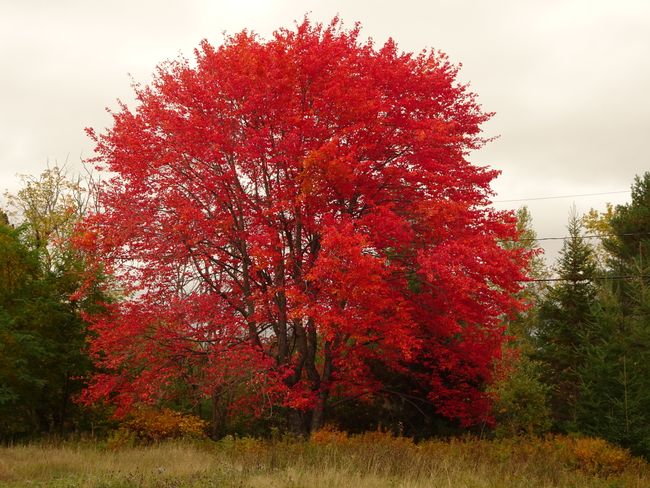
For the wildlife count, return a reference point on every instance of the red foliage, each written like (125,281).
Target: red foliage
(286,213)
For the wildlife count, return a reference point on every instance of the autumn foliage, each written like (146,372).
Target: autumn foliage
(148,425)
(297,218)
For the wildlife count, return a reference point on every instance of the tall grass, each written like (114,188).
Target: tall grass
(330,459)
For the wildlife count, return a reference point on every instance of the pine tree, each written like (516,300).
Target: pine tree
(630,225)
(564,316)
(615,375)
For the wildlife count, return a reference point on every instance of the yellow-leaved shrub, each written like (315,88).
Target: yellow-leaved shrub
(597,456)
(153,425)
(329,435)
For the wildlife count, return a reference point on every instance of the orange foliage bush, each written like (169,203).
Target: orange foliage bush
(597,456)
(150,425)
(329,435)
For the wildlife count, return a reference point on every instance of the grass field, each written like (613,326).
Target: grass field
(329,460)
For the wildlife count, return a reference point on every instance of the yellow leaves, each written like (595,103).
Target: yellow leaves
(50,205)
(600,224)
(599,457)
(329,435)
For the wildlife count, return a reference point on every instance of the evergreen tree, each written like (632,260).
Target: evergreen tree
(615,374)
(564,316)
(631,225)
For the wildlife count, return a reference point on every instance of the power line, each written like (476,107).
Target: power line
(561,196)
(595,278)
(565,238)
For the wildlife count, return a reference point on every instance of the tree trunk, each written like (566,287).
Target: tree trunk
(63,413)
(218,414)
(318,414)
(298,423)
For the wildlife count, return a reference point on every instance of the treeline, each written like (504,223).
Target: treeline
(578,361)
(584,346)
(43,352)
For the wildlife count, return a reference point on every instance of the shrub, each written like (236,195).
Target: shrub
(521,405)
(599,457)
(121,438)
(329,435)
(150,425)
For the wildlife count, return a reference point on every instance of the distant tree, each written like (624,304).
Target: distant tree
(4,218)
(522,399)
(631,225)
(521,404)
(18,270)
(522,326)
(43,353)
(565,314)
(49,206)
(599,224)
(41,346)
(615,375)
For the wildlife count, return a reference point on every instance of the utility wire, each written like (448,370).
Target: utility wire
(565,238)
(561,196)
(595,278)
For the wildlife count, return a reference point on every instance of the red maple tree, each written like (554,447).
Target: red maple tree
(287,215)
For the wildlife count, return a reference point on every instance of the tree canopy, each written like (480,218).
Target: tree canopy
(287,218)
(43,351)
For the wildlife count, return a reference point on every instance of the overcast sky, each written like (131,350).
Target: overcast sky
(569,80)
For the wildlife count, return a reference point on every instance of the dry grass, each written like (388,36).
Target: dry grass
(330,460)
(91,466)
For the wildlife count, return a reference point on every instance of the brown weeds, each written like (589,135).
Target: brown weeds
(330,459)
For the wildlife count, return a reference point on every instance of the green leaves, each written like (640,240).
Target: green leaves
(564,316)
(594,327)
(631,224)
(42,336)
